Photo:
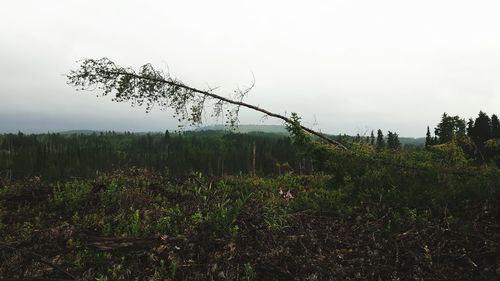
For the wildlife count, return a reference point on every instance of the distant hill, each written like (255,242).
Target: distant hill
(244,129)
(90,132)
(414,141)
(79,132)
(279,129)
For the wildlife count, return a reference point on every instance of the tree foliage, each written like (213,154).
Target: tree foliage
(380,139)
(482,129)
(393,140)
(477,138)
(495,127)
(449,128)
(152,87)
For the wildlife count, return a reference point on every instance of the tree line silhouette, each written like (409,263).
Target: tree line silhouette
(478,138)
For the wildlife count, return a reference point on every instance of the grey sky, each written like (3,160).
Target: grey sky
(349,66)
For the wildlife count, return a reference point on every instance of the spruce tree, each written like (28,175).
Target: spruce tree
(495,127)
(396,143)
(428,139)
(482,129)
(393,140)
(390,139)
(380,139)
(166,136)
(372,138)
(470,127)
(444,129)
(449,127)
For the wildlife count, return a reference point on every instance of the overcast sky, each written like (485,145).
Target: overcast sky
(344,66)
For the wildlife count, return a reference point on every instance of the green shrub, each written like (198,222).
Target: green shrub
(249,273)
(71,195)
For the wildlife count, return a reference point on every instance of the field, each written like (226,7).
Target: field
(137,225)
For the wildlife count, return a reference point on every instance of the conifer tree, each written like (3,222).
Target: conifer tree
(397,143)
(428,139)
(380,139)
(393,140)
(358,138)
(372,138)
(449,127)
(482,129)
(495,127)
(444,129)
(166,136)
(390,139)
(470,127)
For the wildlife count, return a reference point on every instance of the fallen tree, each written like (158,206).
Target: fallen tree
(151,87)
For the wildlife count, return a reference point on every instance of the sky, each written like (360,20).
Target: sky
(344,66)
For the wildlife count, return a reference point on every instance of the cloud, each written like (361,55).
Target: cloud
(394,65)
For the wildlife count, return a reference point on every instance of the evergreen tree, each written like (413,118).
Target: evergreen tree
(380,139)
(482,129)
(372,138)
(396,142)
(495,127)
(449,128)
(444,129)
(470,127)
(393,140)
(358,138)
(459,126)
(390,139)
(428,139)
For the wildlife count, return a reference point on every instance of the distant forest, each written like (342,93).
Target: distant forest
(58,156)
(218,153)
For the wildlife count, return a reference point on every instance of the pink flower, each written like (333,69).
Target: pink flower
(285,195)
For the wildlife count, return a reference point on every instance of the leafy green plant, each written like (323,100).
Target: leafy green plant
(71,195)
(275,216)
(173,268)
(223,216)
(197,217)
(101,278)
(249,273)
(170,221)
(135,223)
(162,269)
(109,196)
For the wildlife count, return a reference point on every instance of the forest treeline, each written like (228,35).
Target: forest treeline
(476,139)
(58,156)
(218,153)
